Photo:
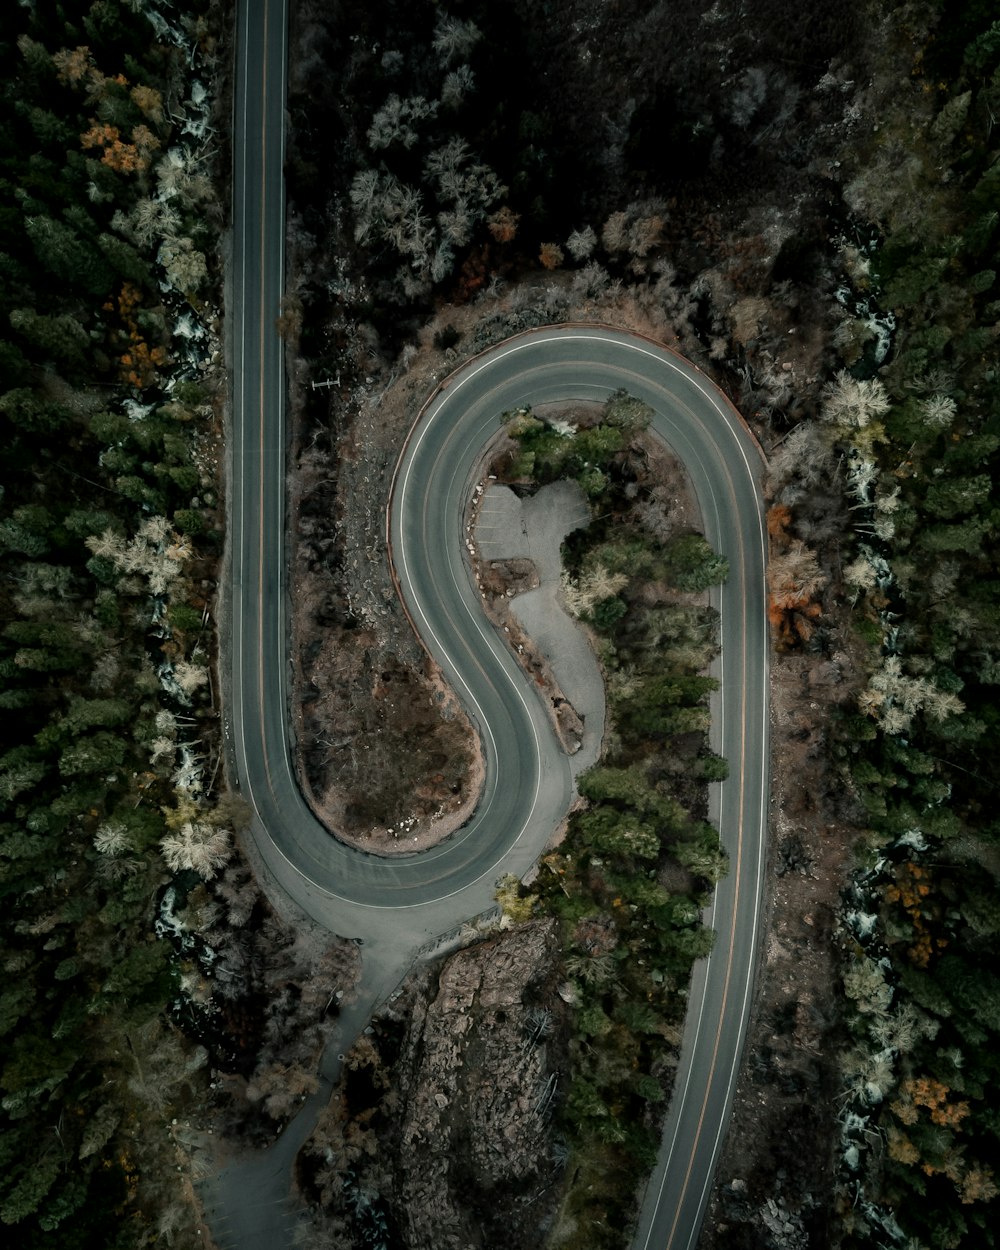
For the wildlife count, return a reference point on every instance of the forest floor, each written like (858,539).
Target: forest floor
(386,756)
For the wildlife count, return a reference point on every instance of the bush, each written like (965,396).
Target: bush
(692,564)
(608,613)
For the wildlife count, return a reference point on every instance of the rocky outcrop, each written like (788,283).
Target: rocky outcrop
(475,1078)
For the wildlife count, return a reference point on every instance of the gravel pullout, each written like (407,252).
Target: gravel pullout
(508,528)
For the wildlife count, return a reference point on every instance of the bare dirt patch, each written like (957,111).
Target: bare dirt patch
(386,756)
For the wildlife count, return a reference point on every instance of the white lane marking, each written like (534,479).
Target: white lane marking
(237,599)
(438,406)
(723,413)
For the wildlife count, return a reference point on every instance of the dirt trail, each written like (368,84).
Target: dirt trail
(249,1202)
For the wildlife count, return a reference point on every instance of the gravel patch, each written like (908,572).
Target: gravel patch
(533,528)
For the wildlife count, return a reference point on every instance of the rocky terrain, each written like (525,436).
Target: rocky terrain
(444,1115)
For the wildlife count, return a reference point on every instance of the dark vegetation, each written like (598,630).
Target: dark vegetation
(629,880)
(108,533)
(921,750)
(455,146)
(137,951)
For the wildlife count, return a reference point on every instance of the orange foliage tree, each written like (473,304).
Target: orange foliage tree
(793,581)
(77,67)
(117,154)
(978,1185)
(149,100)
(901,1148)
(503,224)
(74,64)
(139,362)
(926,1091)
(911,890)
(973,1181)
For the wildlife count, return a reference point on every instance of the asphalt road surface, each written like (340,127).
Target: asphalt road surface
(395,905)
(433,481)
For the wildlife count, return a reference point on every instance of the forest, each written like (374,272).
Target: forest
(918,442)
(109,530)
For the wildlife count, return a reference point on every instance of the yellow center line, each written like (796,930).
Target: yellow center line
(735,913)
(261,423)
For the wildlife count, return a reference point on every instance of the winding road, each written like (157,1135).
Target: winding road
(396,905)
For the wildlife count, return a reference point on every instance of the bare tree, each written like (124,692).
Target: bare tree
(458,83)
(794,575)
(396,121)
(939,411)
(591,281)
(595,585)
(644,234)
(197,846)
(894,697)
(112,838)
(454,39)
(614,235)
(852,404)
(581,243)
(190,676)
(186,268)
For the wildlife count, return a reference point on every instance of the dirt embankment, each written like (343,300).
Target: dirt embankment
(774,1185)
(386,756)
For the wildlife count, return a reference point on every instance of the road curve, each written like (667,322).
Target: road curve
(433,483)
(397,903)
